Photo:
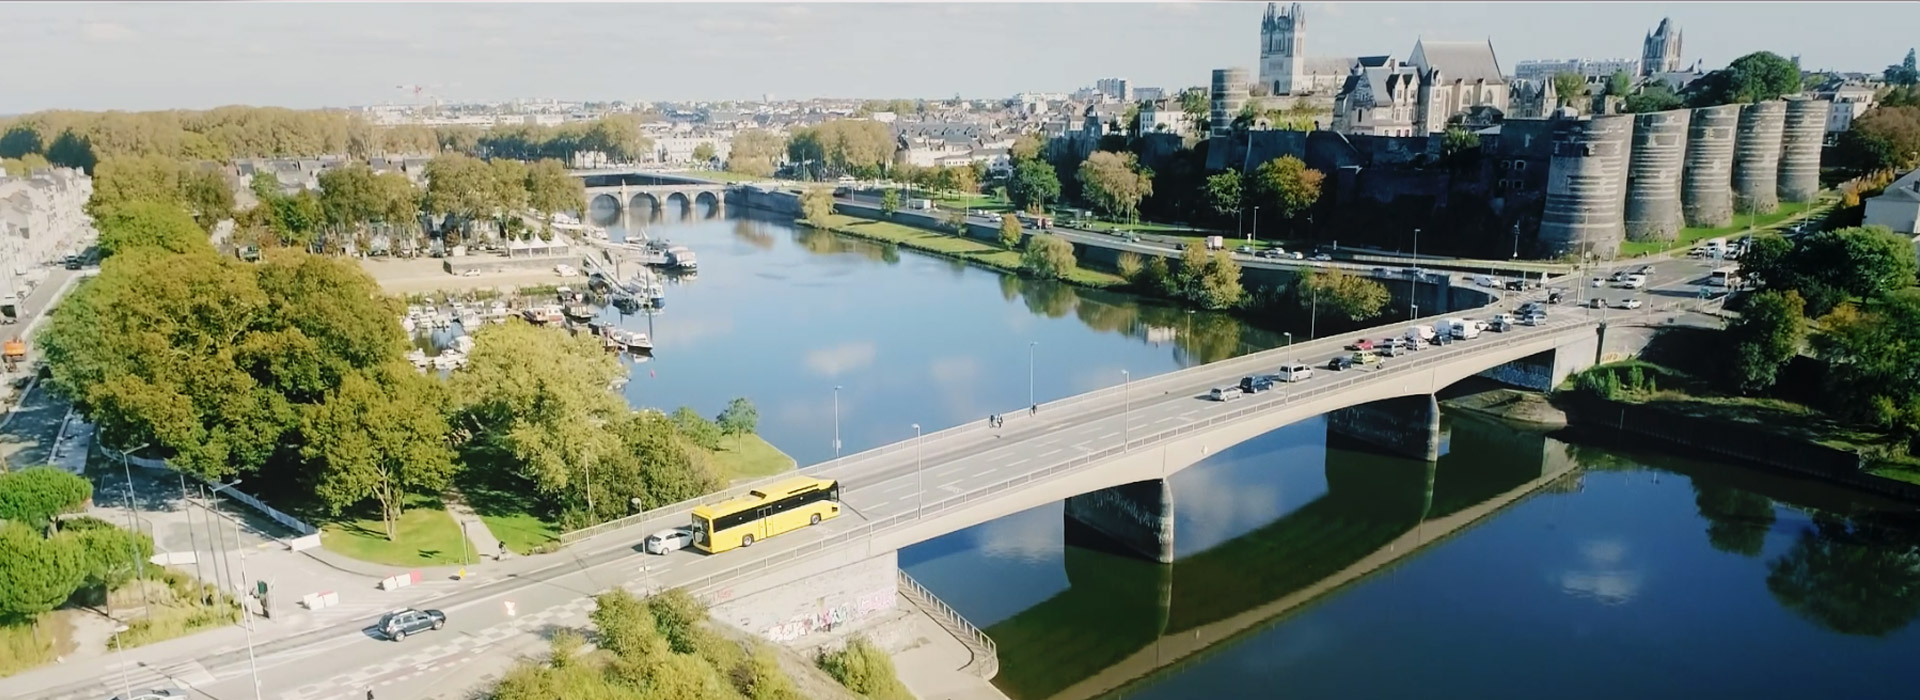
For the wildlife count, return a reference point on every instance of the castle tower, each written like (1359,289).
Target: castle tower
(1283,44)
(1660,51)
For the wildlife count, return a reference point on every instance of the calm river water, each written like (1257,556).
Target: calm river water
(1518,565)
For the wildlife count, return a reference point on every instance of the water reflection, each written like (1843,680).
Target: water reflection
(1852,576)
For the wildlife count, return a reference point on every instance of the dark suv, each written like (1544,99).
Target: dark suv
(400,623)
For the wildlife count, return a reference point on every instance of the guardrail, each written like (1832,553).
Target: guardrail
(867,532)
(677,513)
(986,655)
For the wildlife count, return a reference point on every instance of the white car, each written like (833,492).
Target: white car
(1599,282)
(1630,304)
(669,540)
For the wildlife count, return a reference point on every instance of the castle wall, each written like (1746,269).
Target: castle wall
(1586,186)
(1804,133)
(1653,175)
(1706,183)
(1756,157)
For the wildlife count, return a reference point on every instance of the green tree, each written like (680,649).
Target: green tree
(1207,279)
(1287,186)
(703,153)
(122,181)
(1010,231)
(207,197)
(1224,193)
(655,463)
(1570,87)
(1156,276)
(865,669)
(625,626)
(761,678)
(1033,184)
(1114,183)
(159,225)
(755,152)
(1767,335)
(696,428)
(1755,77)
(37,495)
(1619,84)
(1025,147)
(20,140)
(37,574)
(1907,73)
(108,554)
(1456,140)
(460,186)
(1887,137)
(1654,97)
(1863,261)
(550,189)
(816,207)
(889,202)
(1873,361)
(379,440)
(1047,256)
(71,150)
(1330,291)
(738,418)
(539,400)
(1768,262)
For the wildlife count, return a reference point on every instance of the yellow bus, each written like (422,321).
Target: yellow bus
(765,512)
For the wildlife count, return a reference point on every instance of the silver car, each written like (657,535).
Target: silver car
(669,540)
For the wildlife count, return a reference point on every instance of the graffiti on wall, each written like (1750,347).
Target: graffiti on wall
(875,601)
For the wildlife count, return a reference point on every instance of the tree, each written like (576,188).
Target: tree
(1456,140)
(381,440)
(1873,361)
(1767,335)
(207,197)
(1224,193)
(657,463)
(1033,184)
(1010,231)
(738,418)
(1907,74)
(108,554)
(37,574)
(703,153)
(864,669)
(1114,183)
(1619,84)
(551,189)
(1208,279)
(122,181)
(1768,262)
(696,429)
(842,146)
(1862,261)
(1654,97)
(816,207)
(538,399)
(625,626)
(35,496)
(1025,147)
(889,202)
(1287,186)
(460,186)
(159,225)
(1047,256)
(71,150)
(1887,137)
(20,140)
(755,152)
(1334,291)
(1569,87)
(1195,103)
(1755,77)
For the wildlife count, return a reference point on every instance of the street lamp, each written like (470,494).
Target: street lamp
(253,664)
(1126,410)
(133,552)
(1415,291)
(920,502)
(836,421)
(1030,346)
(1289,335)
(125,682)
(1256,224)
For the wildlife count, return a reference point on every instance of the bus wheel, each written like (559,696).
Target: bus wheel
(815,520)
(746,541)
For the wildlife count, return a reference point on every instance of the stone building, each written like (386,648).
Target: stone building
(1441,82)
(1164,116)
(1660,51)
(42,219)
(1285,67)
(1595,71)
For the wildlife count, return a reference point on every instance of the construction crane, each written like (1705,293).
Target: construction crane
(419,92)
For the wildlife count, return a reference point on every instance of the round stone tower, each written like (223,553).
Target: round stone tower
(1756,157)
(1806,128)
(1586,186)
(1706,184)
(1653,175)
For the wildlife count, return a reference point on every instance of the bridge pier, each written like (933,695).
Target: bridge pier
(1408,426)
(1546,370)
(1138,517)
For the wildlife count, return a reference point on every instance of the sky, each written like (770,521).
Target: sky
(143,56)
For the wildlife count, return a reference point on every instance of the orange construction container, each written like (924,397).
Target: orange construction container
(16,349)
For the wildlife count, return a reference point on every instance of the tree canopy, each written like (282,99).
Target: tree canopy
(1033,185)
(755,152)
(1207,279)
(1047,256)
(1330,291)
(1114,183)
(1755,77)
(842,147)
(162,226)
(816,206)
(1287,186)
(1768,334)
(36,496)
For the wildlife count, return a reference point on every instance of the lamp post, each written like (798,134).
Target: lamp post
(253,664)
(1126,410)
(1289,335)
(921,476)
(125,682)
(836,422)
(1415,291)
(133,552)
(1030,346)
(1256,224)
(193,540)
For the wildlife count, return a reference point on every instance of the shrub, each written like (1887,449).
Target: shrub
(865,669)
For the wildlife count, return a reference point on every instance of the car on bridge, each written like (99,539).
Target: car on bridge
(1340,363)
(1295,372)
(1255,384)
(669,540)
(1225,393)
(398,624)
(1361,344)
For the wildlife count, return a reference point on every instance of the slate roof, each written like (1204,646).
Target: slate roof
(1458,60)
(1905,189)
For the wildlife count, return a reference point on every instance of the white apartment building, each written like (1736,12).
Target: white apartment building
(677,148)
(42,219)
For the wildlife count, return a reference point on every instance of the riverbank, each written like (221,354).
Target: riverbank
(959,248)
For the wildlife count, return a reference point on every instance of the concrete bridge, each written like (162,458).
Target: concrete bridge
(1108,453)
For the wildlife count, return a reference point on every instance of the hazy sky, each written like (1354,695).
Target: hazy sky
(180,55)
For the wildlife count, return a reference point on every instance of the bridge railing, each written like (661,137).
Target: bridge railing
(986,659)
(932,443)
(868,531)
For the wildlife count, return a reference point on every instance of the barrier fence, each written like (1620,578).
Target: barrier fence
(865,534)
(986,657)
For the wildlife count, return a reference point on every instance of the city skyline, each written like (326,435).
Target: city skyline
(192,56)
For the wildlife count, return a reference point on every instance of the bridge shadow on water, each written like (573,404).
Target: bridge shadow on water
(1123,619)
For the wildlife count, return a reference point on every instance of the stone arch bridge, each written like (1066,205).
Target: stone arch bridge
(680,199)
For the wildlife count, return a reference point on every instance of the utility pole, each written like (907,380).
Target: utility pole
(192,539)
(133,552)
(245,614)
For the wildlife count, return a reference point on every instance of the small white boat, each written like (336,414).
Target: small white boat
(545,313)
(441,320)
(449,360)
(565,270)
(469,319)
(463,344)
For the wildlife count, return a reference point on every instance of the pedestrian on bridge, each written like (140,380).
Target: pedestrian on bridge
(1033,410)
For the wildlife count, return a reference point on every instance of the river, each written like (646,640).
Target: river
(1518,565)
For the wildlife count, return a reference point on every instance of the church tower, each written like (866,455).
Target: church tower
(1283,44)
(1660,52)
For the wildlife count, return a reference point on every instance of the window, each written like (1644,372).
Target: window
(1520,165)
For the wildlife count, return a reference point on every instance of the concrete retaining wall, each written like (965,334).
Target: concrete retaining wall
(1404,427)
(1137,516)
(817,604)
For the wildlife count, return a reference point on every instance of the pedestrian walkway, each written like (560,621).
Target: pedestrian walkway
(470,523)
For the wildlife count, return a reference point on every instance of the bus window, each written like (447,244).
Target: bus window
(699,531)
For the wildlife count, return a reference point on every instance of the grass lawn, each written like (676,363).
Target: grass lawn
(955,246)
(425,536)
(22,646)
(724,176)
(743,457)
(953,200)
(1788,212)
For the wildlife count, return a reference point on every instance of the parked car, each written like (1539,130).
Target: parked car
(1554,296)
(1244,250)
(1515,285)
(1323,257)
(1599,282)
(1644,270)
(1272,253)
(1596,302)
(73,262)
(1225,393)
(669,540)
(1485,281)
(398,624)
